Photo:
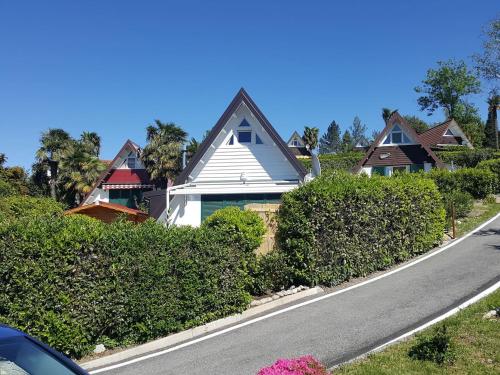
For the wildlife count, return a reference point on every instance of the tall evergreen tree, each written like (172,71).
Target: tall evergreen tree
(330,141)
(491,129)
(358,132)
(347,144)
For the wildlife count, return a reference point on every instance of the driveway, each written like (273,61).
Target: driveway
(339,328)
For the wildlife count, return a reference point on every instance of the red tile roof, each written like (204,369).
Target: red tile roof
(127,176)
(399,155)
(435,135)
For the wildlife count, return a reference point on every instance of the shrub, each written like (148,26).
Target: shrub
(490,199)
(272,273)
(305,365)
(6,189)
(466,157)
(73,281)
(437,347)
(342,226)
(462,202)
(342,161)
(18,206)
(493,166)
(477,182)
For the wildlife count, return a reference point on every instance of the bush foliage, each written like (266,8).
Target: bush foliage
(466,157)
(74,282)
(306,365)
(330,162)
(461,201)
(493,166)
(342,226)
(23,206)
(437,347)
(477,182)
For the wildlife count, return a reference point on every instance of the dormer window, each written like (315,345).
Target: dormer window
(296,143)
(131,163)
(449,132)
(396,136)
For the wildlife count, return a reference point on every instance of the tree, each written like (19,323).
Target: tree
(416,123)
(310,137)
(386,113)
(347,144)
(491,128)
(358,133)
(375,134)
(330,141)
(92,142)
(79,170)
(3,159)
(447,87)
(53,143)
(191,148)
(488,62)
(467,116)
(162,155)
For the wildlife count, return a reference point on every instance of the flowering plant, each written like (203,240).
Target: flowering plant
(305,365)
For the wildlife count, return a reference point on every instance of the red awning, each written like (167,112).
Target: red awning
(127,177)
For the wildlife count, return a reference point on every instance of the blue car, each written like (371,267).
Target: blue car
(21,354)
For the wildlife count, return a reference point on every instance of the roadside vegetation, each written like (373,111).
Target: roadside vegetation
(466,343)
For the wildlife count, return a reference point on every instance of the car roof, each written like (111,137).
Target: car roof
(8,332)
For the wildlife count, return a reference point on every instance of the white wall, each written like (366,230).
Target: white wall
(185,210)
(223,162)
(366,170)
(98,195)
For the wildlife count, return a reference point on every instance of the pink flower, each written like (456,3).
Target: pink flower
(306,365)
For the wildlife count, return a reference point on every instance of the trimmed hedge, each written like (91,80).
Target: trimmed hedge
(493,166)
(74,281)
(342,226)
(330,162)
(466,157)
(477,182)
(18,206)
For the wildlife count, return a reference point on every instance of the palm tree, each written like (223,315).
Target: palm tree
(491,128)
(310,137)
(3,159)
(79,170)
(162,155)
(386,113)
(53,143)
(92,141)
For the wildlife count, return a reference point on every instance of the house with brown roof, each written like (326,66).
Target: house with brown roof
(243,160)
(446,134)
(297,146)
(123,182)
(398,148)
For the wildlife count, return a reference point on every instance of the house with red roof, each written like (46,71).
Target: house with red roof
(446,134)
(398,148)
(123,182)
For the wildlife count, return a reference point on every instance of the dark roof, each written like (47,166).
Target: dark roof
(398,155)
(299,151)
(157,202)
(435,135)
(240,97)
(109,168)
(397,118)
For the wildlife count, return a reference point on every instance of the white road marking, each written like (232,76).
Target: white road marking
(317,299)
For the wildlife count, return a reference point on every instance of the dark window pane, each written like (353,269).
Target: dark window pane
(396,137)
(244,122)
(245,137)
(258,140)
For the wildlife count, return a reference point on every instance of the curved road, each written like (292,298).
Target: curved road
(339,328)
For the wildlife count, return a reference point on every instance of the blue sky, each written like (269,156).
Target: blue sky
(115,66)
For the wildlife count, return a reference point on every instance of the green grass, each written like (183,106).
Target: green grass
(476,341)
(480,213)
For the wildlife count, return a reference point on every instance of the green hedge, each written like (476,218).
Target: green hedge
(331,162)
(74,282)
(477,182)
(493,166)
(466,157)
(343,226)
(17,206)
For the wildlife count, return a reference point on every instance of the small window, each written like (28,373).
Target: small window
(396,128)
(131,163)
(449,132)
(397,137)
(231,140)
(388,139)
(244,137)
(295,143)
(406,139)
(258,141)
(244,123)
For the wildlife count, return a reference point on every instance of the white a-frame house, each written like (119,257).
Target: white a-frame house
(242,160)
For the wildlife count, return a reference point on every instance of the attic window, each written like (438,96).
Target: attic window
(244,123)
(296,143)
(231,140)
(258,141)
(245,137)
(396,136)
(131,163)
(449,132)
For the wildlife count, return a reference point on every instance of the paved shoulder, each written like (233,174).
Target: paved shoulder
(341,327)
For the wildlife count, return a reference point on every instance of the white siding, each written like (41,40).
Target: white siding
(185,210)
(223,162)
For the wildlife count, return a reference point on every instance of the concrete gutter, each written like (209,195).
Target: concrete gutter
(176,338)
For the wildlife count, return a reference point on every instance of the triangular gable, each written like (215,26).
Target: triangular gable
(112,165)
(396,118)
(241,98)
(434,136)
(296,136)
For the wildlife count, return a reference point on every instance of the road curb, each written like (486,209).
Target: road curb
(176,338)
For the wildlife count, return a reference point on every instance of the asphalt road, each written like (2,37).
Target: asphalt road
(339,328)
